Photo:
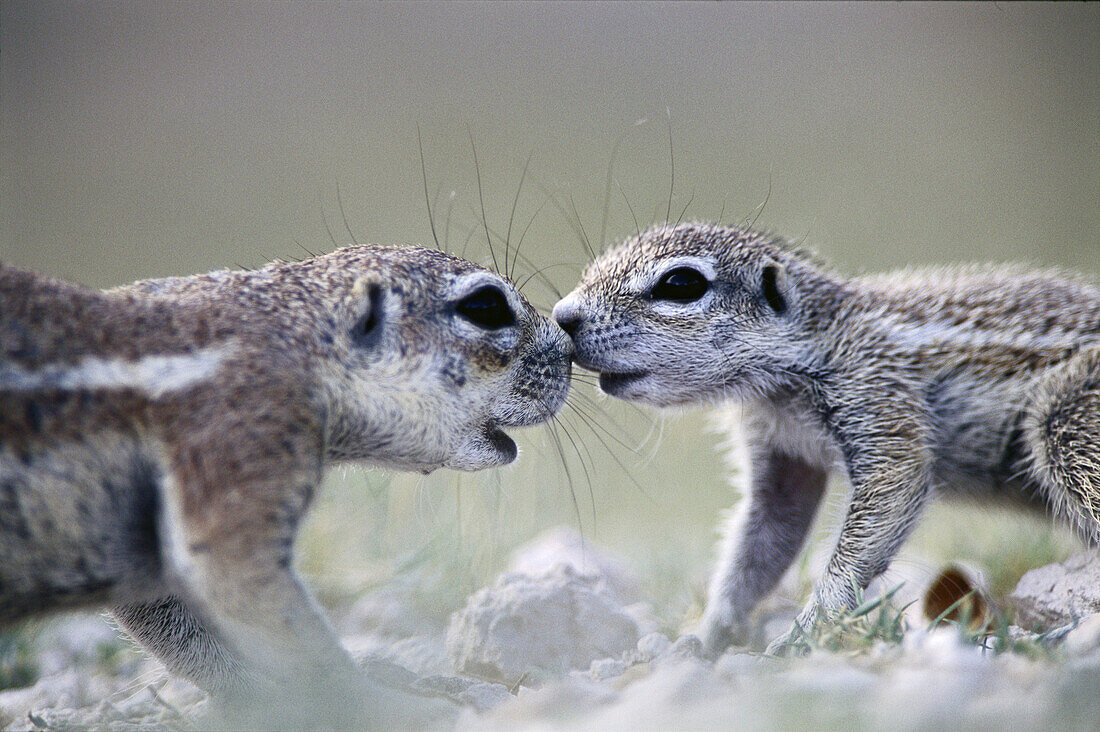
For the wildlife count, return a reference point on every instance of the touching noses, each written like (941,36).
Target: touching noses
(567,314)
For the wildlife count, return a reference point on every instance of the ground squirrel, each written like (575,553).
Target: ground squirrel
(159,443)
(979,382)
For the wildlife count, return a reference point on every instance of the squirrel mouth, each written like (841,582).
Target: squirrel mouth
(502,443)
(614,383)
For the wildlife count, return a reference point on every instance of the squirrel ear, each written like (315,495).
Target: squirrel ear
(773,286)
(369,294)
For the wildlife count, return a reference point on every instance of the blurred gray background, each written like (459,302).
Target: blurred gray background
(151,139)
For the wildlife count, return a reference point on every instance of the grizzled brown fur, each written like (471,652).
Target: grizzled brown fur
(160,443)
(976,382)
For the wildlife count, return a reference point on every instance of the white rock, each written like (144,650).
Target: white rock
(1058,594)
(564,546)
(15,703)
(652,646)
(606,668)
(526,625)
(485,695)
(1085,638)
(687,646)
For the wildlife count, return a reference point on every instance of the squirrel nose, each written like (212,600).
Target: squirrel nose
(567,314)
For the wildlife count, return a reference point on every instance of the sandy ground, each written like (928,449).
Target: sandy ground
(928,681)
(89,678)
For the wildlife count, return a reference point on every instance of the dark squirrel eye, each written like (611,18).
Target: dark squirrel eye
(682,285)
(486,307)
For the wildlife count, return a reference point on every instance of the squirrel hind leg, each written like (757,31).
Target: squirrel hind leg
(1062,430)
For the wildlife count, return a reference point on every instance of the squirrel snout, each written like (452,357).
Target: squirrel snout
(567,314)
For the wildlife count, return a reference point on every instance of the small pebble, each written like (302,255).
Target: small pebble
(484,696)
(1085,638)
(688,646)
(651,646)
(606,668)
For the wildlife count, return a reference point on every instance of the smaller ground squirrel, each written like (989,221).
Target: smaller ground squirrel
(976,382)
(160,443)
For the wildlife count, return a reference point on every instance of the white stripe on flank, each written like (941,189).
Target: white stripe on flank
(155,375)
(938,333)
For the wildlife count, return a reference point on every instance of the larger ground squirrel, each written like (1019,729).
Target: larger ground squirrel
(979,382)
(160,443)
